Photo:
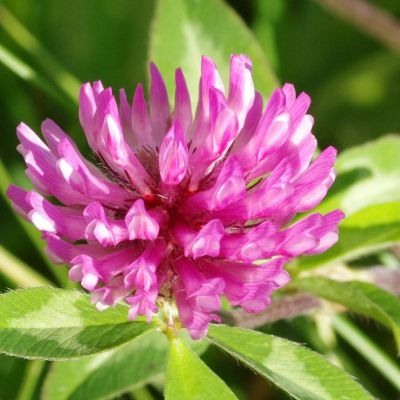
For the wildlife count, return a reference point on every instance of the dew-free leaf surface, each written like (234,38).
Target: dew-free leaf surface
(361,297)
(106,375)
(366,175)
(51,323)
(189,378)
(302,373)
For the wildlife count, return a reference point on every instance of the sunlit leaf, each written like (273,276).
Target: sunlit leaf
(50,323)
(361,297)
(189,378)
(368,174)
(299,371)
(91,378)
(110,373)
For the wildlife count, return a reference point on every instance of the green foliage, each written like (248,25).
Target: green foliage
(354,83)
(187,377)
(11,370)
(367,348)
(196,30)
(305,375)
(361,297)
(139,361)
(367,175)
(367,189)
(93,378)
(60,324)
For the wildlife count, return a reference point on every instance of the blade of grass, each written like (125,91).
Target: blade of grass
(28,74)
(368,349)
(32,233)
(33,373)
(16,271)
(62,78)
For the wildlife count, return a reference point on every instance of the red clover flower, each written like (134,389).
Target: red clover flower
(175,214)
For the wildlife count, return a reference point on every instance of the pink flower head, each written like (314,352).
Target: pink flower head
(178,209)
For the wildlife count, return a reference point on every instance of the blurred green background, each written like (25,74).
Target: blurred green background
(352,77)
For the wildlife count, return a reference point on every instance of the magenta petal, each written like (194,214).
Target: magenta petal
(105,135)
(327,231)
(87,112)
(140,224)
(110,294)
(196,298)
(275,106)
(159,105)
(290,94)
(209,80)
(176,209)
(17,196)
(312,186)
(125,112)
(61,251)
(141,124)
(141,275)
(221,137)
(100,227)
(142,304)
(241,88)
(253,244)
(228,188)
(55,219)
(91,270)
(173,157)
(205,242)
(183,108)
(249,285)
(250,125)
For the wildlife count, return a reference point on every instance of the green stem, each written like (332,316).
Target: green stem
(357,339)
(141,393)
(18,272)
(33,373)
(29,229)
(64,80)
